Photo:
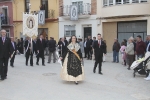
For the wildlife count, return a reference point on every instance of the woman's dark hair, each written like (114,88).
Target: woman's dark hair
(123,43)
(71,38)
(18,40)
(60,39)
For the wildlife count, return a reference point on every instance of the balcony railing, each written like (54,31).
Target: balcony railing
(4,21)
(83,9)
(48,15)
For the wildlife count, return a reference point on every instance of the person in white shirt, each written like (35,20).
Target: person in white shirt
(85,48)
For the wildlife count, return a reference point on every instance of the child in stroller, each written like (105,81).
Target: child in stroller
(140,66)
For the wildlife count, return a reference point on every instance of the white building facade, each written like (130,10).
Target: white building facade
(86,22)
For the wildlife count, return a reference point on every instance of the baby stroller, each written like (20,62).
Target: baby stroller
(141,66)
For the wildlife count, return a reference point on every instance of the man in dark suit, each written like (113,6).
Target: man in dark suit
(89,47)
(66,42)
(52,49)
(4,54)
(34,47)
(99,48)
(29,51)
(62,46)
(13,51)
(85,48)
(40,46)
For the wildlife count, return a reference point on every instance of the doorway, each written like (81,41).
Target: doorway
(87,32)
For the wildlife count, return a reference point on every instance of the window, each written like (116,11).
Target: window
(110,2)
(4,15)
(118,1)
(80,6)
(69,30)
(126,1)
(105,2)
(44,6)
(7,32)
(135,1)
(143,0)
(27,5)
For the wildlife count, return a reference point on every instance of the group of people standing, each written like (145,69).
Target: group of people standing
(69,52)
(129,50)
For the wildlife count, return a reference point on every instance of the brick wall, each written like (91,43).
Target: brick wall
(93,7)
(60,7)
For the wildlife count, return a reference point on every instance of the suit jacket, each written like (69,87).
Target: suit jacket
(12,49)
(89,43)
(27,50)
(34,45)
(99,50)
(5,47)
(64,46)
(66,42)
(40,45)
(52,45)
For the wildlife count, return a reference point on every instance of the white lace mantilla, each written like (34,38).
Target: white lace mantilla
(72,46)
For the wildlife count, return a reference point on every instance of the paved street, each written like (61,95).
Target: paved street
(44,83)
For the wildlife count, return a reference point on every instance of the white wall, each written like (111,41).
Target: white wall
(69,2)
(123,9)
(79,26)
(148,26)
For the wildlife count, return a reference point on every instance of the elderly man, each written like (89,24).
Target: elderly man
(5,45)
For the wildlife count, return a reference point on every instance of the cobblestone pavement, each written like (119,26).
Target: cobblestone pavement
(44,83)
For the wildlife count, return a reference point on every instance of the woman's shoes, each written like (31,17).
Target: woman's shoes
(128,68)
(76,82)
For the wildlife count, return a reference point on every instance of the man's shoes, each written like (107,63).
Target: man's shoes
(37,63)
(101,73)
(2,79)
(5,77)
(31,65)
(93,71)
(26,64)
(43,64)
(12,66)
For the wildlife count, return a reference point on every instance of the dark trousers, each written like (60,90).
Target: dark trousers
(115,56)
(41,54)
(89,52)
(31,58)
(12,60)
(54,56)
(21,50)
(35,51)
(98,60)
(130,59)
(3,67)
(85,52)
(125,62)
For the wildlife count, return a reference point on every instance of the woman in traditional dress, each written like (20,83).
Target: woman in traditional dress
(72,68)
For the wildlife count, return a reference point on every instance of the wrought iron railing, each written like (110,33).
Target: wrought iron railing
(83,9)
(4,20)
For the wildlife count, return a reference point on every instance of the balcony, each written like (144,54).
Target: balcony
(84,11)
(5,21)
